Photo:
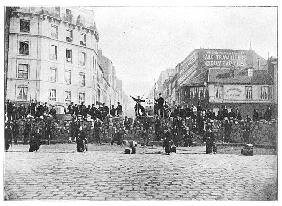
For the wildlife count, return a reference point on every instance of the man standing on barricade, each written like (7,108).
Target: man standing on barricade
(160,105)
(32,108)
(138,106)
(71,109)
(119,109)
(113,111)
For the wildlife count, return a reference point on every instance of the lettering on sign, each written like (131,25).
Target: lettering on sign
(233,93)
(225,58)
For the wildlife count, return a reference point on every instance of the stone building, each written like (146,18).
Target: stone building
(223,77)
(52,55)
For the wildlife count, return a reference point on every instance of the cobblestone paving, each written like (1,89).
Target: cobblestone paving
(104,173)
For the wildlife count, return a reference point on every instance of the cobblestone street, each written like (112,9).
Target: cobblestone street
(105,173)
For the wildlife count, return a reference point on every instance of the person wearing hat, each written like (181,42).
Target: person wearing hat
(138,106)
(119,109)
(81,141)
(167,141)
(227,130)
(8,135)
(97,130)
(113,111)
(210,141)
(160,105)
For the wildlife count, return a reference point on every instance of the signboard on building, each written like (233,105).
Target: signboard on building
(234,92)
(225,58)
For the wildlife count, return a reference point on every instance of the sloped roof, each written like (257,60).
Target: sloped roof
(227,76)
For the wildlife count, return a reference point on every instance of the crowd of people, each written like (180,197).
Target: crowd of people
(174,126)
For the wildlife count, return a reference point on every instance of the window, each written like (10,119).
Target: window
(53,75)
(52,95)
(69,36)
(82,58)
(53,52)
(54,31)
(69,55)
(249,92)
(82,79)
(218,92)
(68,77)
(24,48)
(67,96)
(83,40)
(24,26)
(264,92)
(23,71)
(22,92)
(81,97)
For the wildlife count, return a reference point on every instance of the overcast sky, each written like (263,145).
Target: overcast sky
(143,41)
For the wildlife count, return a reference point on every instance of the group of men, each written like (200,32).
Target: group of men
(95,112)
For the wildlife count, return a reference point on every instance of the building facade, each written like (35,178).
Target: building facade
(52,55)
(223,77)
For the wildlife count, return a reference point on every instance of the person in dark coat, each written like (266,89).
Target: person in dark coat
(268,114)
(138,106)
(81,141)
(160,105)
(22,111)
(83,110)
(32,108)
(167,141)
(97,130)
(119,109)
(8,136)
(39,110)
(53,112)
(188,138)
(27,130)
(35,140)
(16,131)
(113,111)
(45,108)
(71,109)
(227,130)
(255,115)
(210,141)
(76,110)
(9,110)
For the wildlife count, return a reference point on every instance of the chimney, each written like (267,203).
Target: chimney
(250,72)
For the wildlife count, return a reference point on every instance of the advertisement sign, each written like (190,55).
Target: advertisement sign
(234,93)
(225,58)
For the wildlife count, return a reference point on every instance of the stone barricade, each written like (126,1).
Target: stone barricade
(261,133)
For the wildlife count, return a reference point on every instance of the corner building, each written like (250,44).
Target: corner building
(224,77)
(52,55)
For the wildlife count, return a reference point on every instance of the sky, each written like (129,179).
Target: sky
(143,41)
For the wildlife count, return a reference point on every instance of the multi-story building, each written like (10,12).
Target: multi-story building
(223,77)
(52,55)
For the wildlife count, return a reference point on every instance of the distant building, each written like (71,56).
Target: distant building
(223,77)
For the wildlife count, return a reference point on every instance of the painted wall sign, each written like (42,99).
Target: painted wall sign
(234,93)
(225,58)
